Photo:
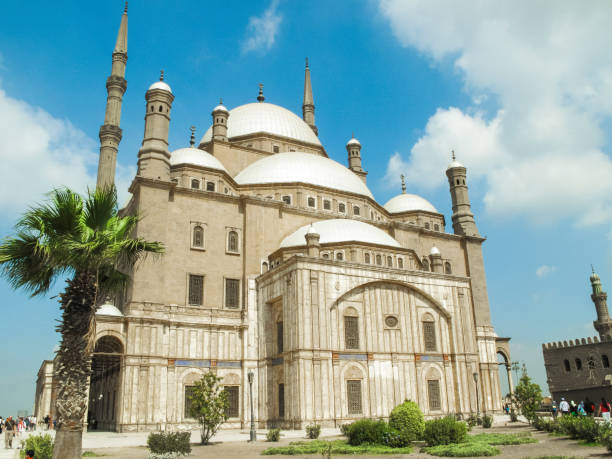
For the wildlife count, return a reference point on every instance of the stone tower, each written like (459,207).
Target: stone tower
(220,114)
(603,324)
(308,108)
(353,148)
(110,132)
(153,156)
(463,219)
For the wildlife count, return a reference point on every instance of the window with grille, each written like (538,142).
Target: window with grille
(232,293)
(353,395)
(188,395)
(326,204)
(447,268)
(433,394)
(232,241)
(400,263)
(210,186)
(378,260)
(287,199)
(339,256)
(275,148)
(429,333)
(367,258)
(437,227)
(279,337)
(281,401)
(195,183)
(198,236)
(356,210)
(342,208)
(351,332)
(426,225)
(196,289)
(390,262)
(233,401)
(311,202)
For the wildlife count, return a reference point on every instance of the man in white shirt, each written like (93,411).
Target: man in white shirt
(564,406)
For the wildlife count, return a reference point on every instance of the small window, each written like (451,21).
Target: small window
(429,336)
(578,364)
(390,262)
(326,204)
(279,337)
(342,208)
(400,263)
(232,293)
(356,210)
(188,394)
(281,401)
(152,108)
(264,267)
(339,256)
(311,202)
(196,289)
(161,109)
(379,260)
(233,401)
(195,184)
(198,236)
(232,241)
(351,332)
(591,362)
(366,258)
(433,394)
(250,145)
(437,227)
(426,225)
(325,256)
(566,364)
(287,199)
(425,264)
(371,215)
(275,149)
(447,268)
(210,186)
(292,149)
(605,362)
(353,396)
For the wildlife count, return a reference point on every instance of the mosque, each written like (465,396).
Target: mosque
(283,271)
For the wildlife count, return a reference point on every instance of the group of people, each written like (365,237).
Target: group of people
(15,427)
(584,408)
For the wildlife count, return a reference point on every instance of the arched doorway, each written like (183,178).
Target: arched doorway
(104,384)
(505,375)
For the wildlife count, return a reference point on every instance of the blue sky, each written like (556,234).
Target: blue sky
(520,91)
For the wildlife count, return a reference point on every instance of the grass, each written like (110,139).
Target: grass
(91,454)
(552,457)
(298,448)
(483,444)
(496,439)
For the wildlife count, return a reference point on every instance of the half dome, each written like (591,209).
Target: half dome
(108,309)
(269,118)
(195,157)
(304,168)
(341,230)
(406,202)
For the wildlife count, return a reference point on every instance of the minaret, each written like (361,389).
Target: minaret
(110,132)
(353,148)
(463,219)
(220,114)
(153,156)
(308,108)
(603,324)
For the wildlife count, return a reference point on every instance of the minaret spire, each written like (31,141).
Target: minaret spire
(110,132)
(603,324)
(308,108)
(403,184)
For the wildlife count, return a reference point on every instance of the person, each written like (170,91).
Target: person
(33,421)
(564,407)
(9,426)
(47,419)
(589,406)
(29,454)
(553,409)
(581,410)
(573,408)
(604,409)
(1,424)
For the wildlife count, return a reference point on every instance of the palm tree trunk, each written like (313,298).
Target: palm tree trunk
(73,363)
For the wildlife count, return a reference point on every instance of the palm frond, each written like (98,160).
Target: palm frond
(100,207)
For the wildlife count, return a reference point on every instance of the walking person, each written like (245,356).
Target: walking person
(604,409)
(9,426)
(564,407)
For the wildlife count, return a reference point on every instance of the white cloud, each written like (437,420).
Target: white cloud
(545,270)
(40,152)
(262,30)
(541,154)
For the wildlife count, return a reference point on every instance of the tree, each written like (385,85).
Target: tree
(87,240)
(209,405)
(528,396)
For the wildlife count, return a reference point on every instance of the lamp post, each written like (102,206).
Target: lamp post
(516,368)
(253,434)
(477,396)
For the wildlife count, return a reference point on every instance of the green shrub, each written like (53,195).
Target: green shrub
(605,437)
(444,431)
(344,428)
(487,421)
(273,435)
(313,431)
(473,420)
(408,419)
(587,429)
(395,438)
(41,444)
(366,431)
(169,442)
(463,450)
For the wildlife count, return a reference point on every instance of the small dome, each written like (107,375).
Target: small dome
(108,309)
(161,85)
(341,230)
(311,230)
(454,163)
(406,202)
(434,251)
(353,141)
(304,168)
(269,118)
(220,108)
(195,157)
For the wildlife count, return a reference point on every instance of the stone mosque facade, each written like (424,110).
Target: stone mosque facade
(279,261)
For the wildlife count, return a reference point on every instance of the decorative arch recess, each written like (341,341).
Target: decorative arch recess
(111,333)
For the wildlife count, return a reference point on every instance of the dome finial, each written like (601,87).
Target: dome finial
(192,139)
(403,184)
(161,75)
(306,62)
(220,100)
(125,9)
(261,97)
(453,155)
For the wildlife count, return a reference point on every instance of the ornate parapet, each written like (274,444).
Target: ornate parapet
(116,81)
(571,343)
(109,131)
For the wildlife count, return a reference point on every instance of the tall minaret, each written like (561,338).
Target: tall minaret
(463,218)
(353,148)
(308,107)
(110,132)
(603,324)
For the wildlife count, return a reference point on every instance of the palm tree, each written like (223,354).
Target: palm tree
(88,241)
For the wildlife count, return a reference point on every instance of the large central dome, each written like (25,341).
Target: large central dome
(269,118)
(304,168)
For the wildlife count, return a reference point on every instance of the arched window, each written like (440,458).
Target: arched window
(353,396)
(326,204)
(198,236)
(366,258)
(433,394)
(400,263)
(161,109)
(264,267)
(195,184)
(566,364)
(210,186)
(425,264)
(426,225)
(152,108)
(339,256)
(325,256)
(437,227)
(390,262)
(429,334)
(351,330)
(356,210)
(605,362)
(311,201)
(447,268)
(342,208)
(379,260)
(232,241)
(578,364)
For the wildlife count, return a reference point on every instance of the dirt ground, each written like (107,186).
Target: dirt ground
(547,446)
